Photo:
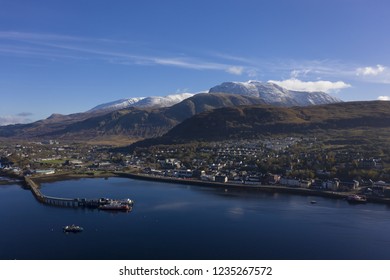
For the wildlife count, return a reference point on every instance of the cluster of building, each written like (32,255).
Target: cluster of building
(291,162)
(51,157)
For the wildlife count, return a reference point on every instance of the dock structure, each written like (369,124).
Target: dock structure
(69,202)
(56,201)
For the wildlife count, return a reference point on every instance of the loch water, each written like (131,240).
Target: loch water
(172,221)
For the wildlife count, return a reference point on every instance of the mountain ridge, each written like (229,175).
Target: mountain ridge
(143,102)
(271,93)
(247,122)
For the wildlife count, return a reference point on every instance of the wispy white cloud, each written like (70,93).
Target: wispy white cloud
(54,47)
(299,73)
(298,85)
(236,70)
(252,72)
(58,46)
(379,74)
(189,63)
(15,119)
(370,71)
(48,37)
(384,98)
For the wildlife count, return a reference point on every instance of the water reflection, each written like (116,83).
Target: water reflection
(173,206)
(188,222)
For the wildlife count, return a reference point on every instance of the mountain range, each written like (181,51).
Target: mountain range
(154,116)
(270,93)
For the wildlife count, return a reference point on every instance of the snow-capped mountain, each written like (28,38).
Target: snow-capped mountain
(270,93)
(117,105)
(143,102)
(162,101)
(274,94)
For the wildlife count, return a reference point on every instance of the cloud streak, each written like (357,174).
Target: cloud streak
(62,48)
(370,71)
(57,46)
(298,85)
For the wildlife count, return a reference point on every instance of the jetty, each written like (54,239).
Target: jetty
(75,202)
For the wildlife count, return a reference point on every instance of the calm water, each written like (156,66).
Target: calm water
(187,222)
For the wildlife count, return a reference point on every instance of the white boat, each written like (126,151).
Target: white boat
(356,198)
(115,206)
(72,228)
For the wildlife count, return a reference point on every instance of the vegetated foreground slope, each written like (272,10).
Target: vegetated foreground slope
(339,120)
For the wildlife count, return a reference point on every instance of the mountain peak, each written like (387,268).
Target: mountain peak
(117,104)
(274,94)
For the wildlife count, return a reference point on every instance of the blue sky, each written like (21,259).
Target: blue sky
(69,56)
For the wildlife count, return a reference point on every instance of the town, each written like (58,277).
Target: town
(290,161)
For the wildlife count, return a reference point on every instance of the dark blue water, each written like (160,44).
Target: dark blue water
(188,222)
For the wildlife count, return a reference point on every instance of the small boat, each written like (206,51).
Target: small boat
(115,206)
(313,202)
(72,228)
(126,201)
(356,198)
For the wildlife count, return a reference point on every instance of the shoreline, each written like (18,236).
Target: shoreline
(250,187)
(235,186)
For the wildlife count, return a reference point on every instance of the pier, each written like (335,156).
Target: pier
(74,202)
(55,201)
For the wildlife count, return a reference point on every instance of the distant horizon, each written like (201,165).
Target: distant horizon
(68,57)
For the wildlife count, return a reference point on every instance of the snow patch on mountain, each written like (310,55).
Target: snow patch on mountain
(162,101)
(143,102)
(274,94)
(117,104)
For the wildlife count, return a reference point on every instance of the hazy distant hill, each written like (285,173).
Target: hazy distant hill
(43,127)
(249,122)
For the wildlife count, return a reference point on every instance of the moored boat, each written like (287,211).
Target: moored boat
(115,206)
(72,228)
(356,198)
(126,201)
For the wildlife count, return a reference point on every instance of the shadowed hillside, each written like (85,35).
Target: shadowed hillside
(361,119)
